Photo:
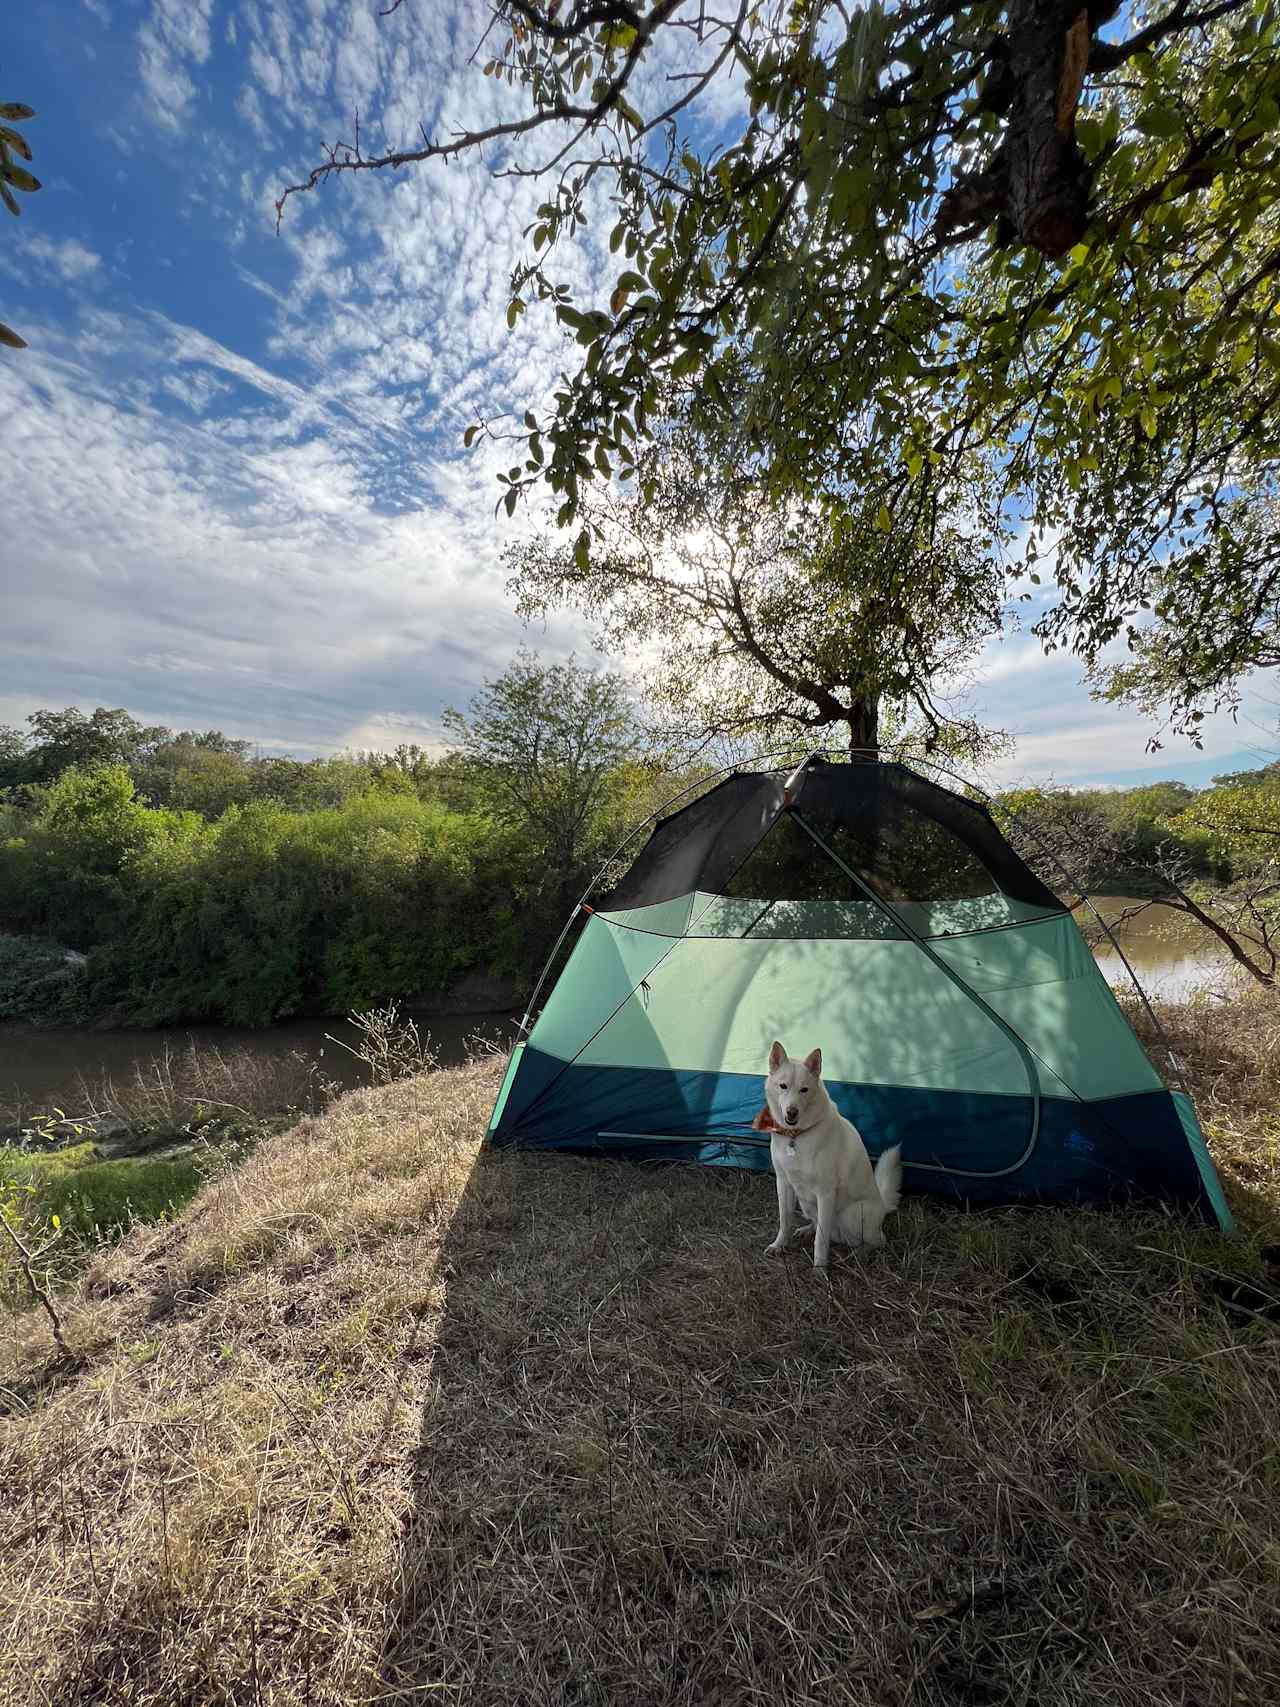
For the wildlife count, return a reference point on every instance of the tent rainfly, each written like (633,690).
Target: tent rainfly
(865,909)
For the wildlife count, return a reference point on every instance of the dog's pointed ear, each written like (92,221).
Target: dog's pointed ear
(777,1055)
(814,1061)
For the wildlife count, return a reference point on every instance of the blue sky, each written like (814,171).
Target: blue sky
(235,492)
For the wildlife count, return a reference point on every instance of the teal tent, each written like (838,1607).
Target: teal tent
(865,909)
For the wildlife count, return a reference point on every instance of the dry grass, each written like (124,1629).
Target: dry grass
(382,1420)
(193,1086)
(1230,1051)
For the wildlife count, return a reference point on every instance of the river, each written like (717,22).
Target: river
(1172,955)
(39,1069)
(43,1068)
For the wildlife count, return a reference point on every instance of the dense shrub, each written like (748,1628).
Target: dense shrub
(38,981)
(269,912)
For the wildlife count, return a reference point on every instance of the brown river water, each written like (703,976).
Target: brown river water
(43,1068)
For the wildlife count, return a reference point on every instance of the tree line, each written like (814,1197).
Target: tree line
(204,880)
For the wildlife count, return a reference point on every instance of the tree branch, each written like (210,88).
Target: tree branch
(1107,56)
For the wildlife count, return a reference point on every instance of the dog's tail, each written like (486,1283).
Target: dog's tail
(889,1178)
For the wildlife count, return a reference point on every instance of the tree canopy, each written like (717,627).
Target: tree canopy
(1045,231)
(551,740)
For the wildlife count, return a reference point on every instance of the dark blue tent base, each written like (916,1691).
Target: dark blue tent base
(956,1145)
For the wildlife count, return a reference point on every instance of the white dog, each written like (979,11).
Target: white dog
(821,1163)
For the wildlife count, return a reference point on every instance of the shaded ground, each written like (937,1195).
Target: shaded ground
(377,1421)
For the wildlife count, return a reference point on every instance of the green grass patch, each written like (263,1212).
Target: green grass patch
(92,1202)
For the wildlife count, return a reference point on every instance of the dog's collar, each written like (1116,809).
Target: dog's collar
(791,1133)
(764,1122)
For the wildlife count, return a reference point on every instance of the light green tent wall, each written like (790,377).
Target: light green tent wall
(881,1010)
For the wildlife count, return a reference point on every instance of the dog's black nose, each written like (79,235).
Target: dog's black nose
(792,1115)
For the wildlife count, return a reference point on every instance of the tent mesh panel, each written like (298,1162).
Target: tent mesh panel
(907,838)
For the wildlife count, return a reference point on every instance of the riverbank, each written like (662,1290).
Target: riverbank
(383,1417)
(66,1066)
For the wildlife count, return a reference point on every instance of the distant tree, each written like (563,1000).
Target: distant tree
(214,741)
(192,774)
(1071,841)
(13,755)
(1243,820)
(61,740)
(550,741)
(304,785)
(14,147)
(1267,776)
(767,621)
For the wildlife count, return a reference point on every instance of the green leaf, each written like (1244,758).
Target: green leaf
(15,110)
(1160,122)
(515,309)
(884,521)
(531,420)
(469,437)
(509,501)
(7,197)
(582,550)
(915,462)
(602,462)
(1150,425)
(10,337)
(16,141)
(55,1221)
(19,177)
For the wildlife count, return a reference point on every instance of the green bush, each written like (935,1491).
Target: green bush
(268,911)
(38,984)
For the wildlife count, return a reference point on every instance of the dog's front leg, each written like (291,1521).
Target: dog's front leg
(825,1220)
(786,1216)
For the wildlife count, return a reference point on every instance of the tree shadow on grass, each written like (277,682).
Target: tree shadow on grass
(655,1467)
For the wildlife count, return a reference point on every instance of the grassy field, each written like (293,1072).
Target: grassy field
(382,1419)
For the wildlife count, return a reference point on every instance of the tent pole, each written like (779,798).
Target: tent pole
(1086,900)
(949,972)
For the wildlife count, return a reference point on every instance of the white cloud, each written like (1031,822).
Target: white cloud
(174,37)
(36,255)
(241,578)
(196,389)
(249,106)
(1006,657)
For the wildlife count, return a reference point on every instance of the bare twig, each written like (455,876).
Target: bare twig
(27,1259)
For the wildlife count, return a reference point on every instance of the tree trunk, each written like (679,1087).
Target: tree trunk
(1048,178)
(1035,187)
(864,729)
